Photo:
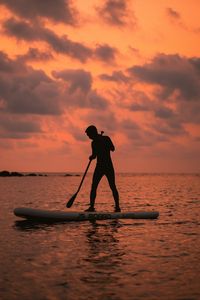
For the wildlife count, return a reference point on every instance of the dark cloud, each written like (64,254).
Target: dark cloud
(172,13)
(164,119)
(77,79)
(129,125)
(115,12)
(21,29)
(34,54)
(29,32)
(136,106)
(176,19)
(7,65)
(77,133)
(164,112)
(105,53)
(97,101)
(140,102)
(25,90)
(189,112)
(20,126)
(24,30)
(116,76)
(140,137)
(171,128)
(195,61)
(161,118)
(79,99)
(132,99)
(175,98)
(105,121)
(66,46)
(79,92)
(12,127)
(172,73)
(57,11)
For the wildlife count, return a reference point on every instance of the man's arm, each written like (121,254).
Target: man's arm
(94,155)
(111,146)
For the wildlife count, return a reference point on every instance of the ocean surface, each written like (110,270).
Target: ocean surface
(102,260)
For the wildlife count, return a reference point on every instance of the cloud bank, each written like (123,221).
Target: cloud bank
(57,11)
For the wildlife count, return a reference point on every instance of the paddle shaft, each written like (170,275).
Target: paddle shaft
(71,201)
(83,176)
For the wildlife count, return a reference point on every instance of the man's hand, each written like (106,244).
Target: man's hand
(91,157)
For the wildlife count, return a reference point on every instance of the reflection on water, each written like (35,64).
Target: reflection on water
(27,225)
(108,259)
(104,257)
(103,244)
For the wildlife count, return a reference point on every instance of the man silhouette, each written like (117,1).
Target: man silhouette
(101,147)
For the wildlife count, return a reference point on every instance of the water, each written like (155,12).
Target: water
(107,260)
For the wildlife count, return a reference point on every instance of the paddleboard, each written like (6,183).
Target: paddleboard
(62,216)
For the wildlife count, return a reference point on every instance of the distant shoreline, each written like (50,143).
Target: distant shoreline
(6,173)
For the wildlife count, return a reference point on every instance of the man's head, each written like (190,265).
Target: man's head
(91,132)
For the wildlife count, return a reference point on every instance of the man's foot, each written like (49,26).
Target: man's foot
(117,209)
(90,209)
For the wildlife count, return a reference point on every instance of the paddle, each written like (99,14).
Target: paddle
(71,201)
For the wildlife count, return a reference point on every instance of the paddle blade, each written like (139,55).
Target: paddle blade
(71,201)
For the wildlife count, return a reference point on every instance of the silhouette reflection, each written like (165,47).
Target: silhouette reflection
(104,256)
(27,225)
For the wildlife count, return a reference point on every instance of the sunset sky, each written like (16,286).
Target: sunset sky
(130,67)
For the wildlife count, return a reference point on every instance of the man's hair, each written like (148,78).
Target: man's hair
(91,129)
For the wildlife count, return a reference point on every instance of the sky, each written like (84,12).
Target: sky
(129,67)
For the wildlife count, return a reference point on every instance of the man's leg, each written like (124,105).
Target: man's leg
(98,174)
(110,174)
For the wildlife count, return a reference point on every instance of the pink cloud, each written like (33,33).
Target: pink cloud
(57,11)
(116,13)
(25,90)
